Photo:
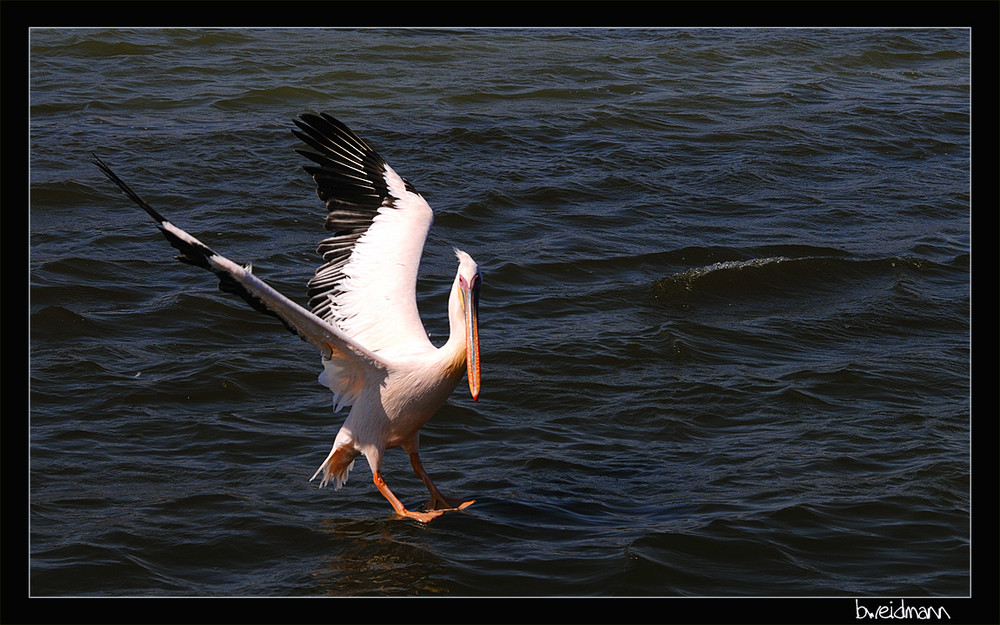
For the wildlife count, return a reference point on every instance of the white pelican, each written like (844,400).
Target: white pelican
(376,356)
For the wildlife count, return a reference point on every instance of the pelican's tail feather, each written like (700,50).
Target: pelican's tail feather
(336,467)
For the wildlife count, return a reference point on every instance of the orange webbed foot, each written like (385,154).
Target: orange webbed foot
(423,517)
(443,503)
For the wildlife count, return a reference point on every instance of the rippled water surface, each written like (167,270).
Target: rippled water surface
(725,319)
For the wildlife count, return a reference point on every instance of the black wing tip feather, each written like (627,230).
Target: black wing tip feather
(329,127)
(324,122)
(324,130)
(192,252)
(351,180)
(324,133)
(348,173)
(127,190)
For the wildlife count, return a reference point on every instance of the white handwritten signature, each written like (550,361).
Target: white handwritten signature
(902,611)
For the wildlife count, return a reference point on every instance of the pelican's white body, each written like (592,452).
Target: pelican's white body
(395,400)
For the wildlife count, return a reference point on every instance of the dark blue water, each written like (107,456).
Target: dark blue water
(725,319)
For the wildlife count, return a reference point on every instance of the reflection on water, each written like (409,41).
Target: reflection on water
(376,558)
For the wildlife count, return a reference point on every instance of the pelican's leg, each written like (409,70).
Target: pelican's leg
(437,502)
(423,517)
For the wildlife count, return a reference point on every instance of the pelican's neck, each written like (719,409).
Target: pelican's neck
(454,349)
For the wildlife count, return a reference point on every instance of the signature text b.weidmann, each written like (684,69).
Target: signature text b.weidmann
(902,611)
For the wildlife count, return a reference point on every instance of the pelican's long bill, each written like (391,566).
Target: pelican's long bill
(470,301)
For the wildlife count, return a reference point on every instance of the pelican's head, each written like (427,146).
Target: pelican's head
(469,278)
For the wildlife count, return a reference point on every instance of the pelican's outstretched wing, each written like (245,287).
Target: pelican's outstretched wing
(367,287)
(348,364)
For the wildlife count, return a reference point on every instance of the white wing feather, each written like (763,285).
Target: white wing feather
(354,365)
(379,224)
(377,306)
(363,299)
